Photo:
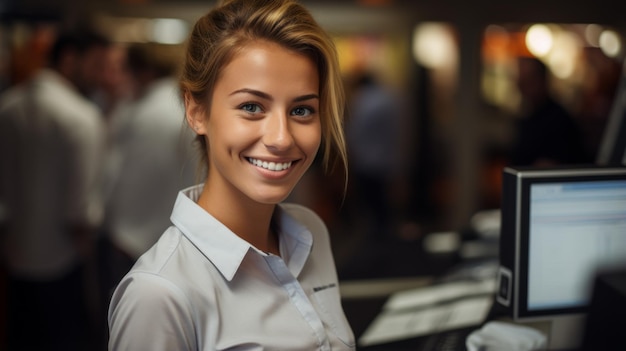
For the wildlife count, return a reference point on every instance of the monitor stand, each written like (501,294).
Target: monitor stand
(566,332)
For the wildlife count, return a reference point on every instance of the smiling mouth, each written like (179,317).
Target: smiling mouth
(272,166)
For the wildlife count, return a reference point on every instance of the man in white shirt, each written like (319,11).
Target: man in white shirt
(51,149)
(148,161)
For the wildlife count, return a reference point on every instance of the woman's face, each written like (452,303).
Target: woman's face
(263,129)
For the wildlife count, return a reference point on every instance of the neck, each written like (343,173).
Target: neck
(249,220)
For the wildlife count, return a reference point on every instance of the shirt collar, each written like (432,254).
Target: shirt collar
(295,239)
(224,248)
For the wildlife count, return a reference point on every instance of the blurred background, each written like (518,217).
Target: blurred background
(442,73)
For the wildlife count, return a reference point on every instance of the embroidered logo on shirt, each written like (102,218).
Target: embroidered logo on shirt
(324,287)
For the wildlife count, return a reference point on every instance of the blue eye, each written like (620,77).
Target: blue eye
(302,111)
(251,108)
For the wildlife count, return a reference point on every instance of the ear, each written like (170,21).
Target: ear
(195,114)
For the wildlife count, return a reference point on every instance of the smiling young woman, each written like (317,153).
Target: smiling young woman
(262,133)
(240,269)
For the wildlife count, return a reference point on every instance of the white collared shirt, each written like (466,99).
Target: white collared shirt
(51,152)
(201,287)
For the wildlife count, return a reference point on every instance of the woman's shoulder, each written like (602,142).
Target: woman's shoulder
(169,258)
(158,256)
(150,274)
(172,264)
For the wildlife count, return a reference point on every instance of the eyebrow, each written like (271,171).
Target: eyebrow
(269,97)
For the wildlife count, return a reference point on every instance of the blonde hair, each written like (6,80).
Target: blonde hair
(218,36)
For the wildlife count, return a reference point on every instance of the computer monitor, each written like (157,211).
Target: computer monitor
(560,227)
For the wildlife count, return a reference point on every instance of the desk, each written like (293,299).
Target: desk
(363,297)
(420,297)
(361,310)
(364,300)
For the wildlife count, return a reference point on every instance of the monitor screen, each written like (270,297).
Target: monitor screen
(560,227)
(576,227)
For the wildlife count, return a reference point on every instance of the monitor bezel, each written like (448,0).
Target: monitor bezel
(527,178)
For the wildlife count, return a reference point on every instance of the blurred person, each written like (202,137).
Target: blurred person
(546,133)
(51,150)
(115,86)
(149,160)
(374,137)
(602,78)
(239,269)
(25,57)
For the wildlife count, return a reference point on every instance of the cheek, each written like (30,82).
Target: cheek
(228,137)
(311,139)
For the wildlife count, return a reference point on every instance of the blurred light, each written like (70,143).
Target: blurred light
(610,43)
(592,34)
(442,242)
(169,30)
(496,44)
(562,59)
(498,88)
(539,40)
(494,29)
(434,46)
(135,31)
(125,29)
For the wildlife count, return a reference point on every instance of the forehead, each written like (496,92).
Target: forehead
(262,60)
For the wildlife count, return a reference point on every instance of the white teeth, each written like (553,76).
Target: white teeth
(272,166)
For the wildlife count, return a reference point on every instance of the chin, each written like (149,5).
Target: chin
(271,197)
(270,200)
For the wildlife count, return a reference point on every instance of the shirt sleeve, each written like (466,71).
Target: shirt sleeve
(85,150)
(150,313)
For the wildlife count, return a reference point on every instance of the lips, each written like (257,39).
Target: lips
(272,166)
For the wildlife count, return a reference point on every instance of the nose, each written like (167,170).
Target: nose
(277,135)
